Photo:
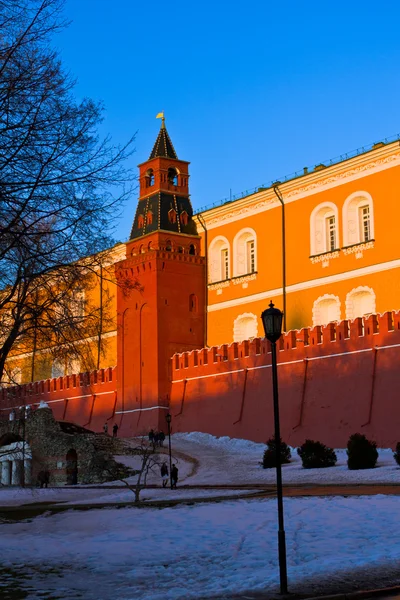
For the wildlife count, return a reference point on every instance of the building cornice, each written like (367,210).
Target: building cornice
(326,178)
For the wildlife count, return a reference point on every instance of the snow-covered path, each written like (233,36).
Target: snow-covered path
(204,550)
(200,551)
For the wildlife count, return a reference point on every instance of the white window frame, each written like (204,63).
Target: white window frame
(316,308)
(361,289)
(352,221)
(215,261)
(241,263)
(318,228)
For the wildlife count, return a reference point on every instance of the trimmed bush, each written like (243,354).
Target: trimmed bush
(315,455)
(396,454)
(361,453)
(269,458)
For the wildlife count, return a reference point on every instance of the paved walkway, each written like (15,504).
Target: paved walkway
(258,491)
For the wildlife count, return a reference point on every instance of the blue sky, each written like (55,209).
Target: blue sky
(251,91)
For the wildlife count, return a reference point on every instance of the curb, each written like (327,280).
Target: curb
(358,595)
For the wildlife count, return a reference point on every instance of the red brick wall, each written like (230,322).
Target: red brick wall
(333,381)
(88,399)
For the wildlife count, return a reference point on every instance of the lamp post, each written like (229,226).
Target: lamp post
(272,321)
(168,419)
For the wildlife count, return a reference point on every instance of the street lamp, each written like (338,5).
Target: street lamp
(272,321)
(168,419)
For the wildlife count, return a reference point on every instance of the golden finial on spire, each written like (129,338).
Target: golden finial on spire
(161,116)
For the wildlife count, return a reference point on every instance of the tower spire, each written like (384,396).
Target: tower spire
(163,146)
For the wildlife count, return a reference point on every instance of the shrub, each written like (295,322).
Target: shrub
(361,453)
(269,458)
(396,454)
(315,455)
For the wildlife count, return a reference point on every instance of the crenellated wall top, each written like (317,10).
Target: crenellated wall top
(336,337)
(72,383)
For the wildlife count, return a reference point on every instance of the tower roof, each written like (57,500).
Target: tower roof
(163,146)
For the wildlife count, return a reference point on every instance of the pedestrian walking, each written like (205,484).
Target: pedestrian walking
(105,427)
(162,438)
(115,430)
(164,474)
(44,478)
(156,439)
(174,477)
(151,438)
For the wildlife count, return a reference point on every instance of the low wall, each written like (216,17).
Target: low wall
(88,399)
(333,381)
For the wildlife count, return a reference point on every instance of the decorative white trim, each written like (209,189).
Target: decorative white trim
(219,285)
(351,218)
(358,249)
(244,279)
(333,176)
(324,258)
(238,334)
(297,287)
(358,291)
(316,308)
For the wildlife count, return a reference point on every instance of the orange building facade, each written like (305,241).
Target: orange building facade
(323,246)
(341,248)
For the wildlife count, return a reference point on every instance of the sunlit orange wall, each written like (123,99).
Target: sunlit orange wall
(384,187)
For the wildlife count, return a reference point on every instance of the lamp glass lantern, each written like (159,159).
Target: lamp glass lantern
(168,418)
(272,321)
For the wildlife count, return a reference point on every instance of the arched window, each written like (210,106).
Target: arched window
(149,178)
(324,229)
(326,309)
(168,246)
(245,252)
(149,217)
(140,221)
(192,249)
(358,219)
(193,303)
(78,303)
(73,366)
(58,368)
(245,327)
(173,176)
(361,301)
(219,259)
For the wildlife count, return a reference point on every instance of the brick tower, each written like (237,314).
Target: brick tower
(167,314)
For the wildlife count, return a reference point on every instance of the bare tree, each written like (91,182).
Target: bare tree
(60,188)
(148,461)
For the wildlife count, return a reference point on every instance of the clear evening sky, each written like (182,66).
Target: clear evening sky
(251,91)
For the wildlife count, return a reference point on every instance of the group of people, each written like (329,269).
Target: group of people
(114,429)
(156,438)
(164,475)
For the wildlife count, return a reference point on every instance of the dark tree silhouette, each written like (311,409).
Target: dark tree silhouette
(60,189)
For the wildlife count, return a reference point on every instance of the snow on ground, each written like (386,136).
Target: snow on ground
(201,550)
(230,461)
